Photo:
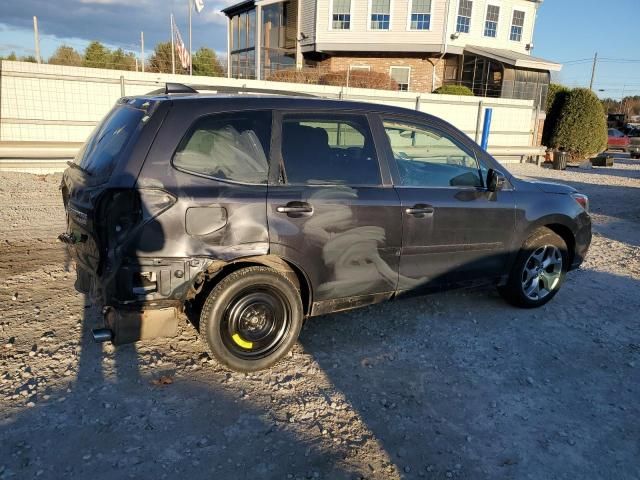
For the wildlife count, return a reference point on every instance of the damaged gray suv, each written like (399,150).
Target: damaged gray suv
(259,211)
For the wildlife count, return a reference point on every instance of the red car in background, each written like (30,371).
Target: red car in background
(618,140)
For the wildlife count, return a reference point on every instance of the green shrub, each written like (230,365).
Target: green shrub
(582,125)
(555,101)
(454,90)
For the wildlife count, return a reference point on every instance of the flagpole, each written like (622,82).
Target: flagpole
(173,49)
(190,51)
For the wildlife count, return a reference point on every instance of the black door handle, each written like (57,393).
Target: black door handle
(420,210)
(300,208)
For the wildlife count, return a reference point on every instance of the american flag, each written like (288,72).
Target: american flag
(183,53)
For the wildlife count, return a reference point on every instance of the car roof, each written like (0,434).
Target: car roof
(262,100)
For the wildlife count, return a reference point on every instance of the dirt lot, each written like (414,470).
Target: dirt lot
(457,385)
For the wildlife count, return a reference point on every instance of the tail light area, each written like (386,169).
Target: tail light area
(124,212)
(582,200)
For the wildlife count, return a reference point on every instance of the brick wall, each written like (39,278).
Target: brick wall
(422,67)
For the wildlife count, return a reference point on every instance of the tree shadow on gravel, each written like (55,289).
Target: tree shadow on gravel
(461,385)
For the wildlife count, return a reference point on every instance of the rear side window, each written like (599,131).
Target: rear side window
(230,146)
(109,140)
(329,150)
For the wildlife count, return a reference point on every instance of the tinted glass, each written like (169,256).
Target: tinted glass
(329,150)
(107,142)
(228,146)
(428,158)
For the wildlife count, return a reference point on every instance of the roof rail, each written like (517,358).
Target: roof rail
(180,88)
(177,88)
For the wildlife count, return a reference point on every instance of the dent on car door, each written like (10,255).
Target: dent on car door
(218,174)
(331,210)
(454,229)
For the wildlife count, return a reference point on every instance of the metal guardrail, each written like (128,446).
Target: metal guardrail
(50,157)
(38,150)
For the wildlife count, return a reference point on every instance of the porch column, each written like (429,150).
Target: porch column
(258,42)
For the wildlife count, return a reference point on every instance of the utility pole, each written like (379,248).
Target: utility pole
(190,51)
(593,71)
(173,50)
(142,50)
(36,38)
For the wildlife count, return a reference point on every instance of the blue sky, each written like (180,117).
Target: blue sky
(576,29)
(566,30)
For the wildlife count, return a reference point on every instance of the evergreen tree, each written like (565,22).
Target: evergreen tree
(97,55)
(205,62)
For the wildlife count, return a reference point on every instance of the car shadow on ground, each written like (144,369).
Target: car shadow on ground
(112,421)
(455,385)
(462,385)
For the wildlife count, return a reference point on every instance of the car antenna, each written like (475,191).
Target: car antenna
(178,88)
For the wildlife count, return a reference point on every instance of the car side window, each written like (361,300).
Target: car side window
(230,146)
(329,149)
(427,157)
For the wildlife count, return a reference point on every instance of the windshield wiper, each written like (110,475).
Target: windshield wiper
(82,169)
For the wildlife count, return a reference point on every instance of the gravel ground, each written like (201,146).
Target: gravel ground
(456,385)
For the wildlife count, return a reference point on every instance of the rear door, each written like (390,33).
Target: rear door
(332,209)
(454,230)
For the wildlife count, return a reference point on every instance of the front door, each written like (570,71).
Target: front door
(332,211)
(454,230)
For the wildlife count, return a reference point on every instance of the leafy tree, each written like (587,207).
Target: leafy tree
(160,61)
(582,125)
(555,102)
(11,57)
(66,55)
(454,90)
(97,55)
(121,60)
(205,62)
(28,58)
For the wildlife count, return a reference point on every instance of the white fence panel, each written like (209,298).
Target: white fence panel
(50,103)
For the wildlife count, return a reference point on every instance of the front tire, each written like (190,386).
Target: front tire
(252,318)
(538,271)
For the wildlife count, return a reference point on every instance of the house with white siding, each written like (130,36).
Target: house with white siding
(422,44)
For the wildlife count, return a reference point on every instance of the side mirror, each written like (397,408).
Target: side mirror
(495,180)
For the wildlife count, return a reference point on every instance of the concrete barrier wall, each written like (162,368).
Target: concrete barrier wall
(50,103)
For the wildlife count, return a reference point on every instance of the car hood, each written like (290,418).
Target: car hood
(550,187)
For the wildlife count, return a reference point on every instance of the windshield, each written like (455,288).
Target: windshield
(109,140)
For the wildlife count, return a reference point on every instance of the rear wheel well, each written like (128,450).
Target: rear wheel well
(567,235)
(289,270)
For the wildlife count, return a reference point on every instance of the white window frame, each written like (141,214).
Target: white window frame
(455,25)
(513,10)
(369,8)
(406,67)
(331,18)
(430,20)
(484,20)
(359,67)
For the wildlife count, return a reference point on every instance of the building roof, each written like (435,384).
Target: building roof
(238,7)
(516,59)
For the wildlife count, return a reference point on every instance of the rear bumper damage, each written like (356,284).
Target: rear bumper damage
(129,325)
